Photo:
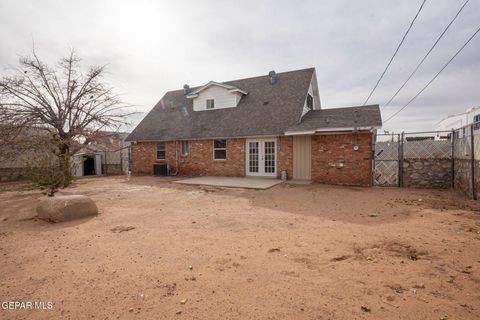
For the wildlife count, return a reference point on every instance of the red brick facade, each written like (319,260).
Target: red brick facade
(198,162)
(285,156)
(334,160)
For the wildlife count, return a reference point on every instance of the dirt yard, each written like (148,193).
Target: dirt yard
(164,251)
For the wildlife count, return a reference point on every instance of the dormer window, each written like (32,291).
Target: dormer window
(309,101)
(227,96)
(210,103)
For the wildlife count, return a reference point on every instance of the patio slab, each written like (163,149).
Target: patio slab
(233,182)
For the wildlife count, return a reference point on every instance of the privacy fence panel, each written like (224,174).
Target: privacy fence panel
(427,161)
(386,161)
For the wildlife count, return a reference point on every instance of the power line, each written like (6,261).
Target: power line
(426,86)
(425,57)
(395,53)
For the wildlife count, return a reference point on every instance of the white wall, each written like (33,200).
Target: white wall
(223,98)
(458,120)
(311,91)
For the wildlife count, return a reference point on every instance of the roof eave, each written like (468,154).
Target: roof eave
(339,129)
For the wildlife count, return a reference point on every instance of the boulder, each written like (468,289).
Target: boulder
(66,208)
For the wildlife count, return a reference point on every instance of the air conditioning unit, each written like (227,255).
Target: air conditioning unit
(160,169)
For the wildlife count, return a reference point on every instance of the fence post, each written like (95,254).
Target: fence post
(452,139)
(105,164)
(472,164)
(400,158)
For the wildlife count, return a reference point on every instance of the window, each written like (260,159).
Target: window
(309,101)
(220,149)
(161,151)
(476,122)
(184,148)
(210,103)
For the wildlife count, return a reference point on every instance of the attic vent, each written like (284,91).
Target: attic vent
(186,89)
(273,77)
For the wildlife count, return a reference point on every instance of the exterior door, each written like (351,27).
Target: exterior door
(302,157)
(261,157)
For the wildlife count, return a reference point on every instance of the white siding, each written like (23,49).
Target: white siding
(458,120)
(315,106)
(223,98)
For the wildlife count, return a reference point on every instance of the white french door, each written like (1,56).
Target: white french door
(261,157)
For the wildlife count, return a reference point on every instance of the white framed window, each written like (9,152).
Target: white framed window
(184,147)
(476,122)
(220,149)
(210,103)
(161,151)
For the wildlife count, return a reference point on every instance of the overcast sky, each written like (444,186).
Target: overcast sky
(155,46)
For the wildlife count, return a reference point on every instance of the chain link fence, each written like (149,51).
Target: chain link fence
(431,159)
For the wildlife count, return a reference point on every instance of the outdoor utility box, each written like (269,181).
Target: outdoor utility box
(160,169)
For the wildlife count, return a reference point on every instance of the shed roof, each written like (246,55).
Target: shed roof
(338,119)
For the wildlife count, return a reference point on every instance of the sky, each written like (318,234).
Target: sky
(151,47)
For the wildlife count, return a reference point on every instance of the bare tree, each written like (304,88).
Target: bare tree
(71,108)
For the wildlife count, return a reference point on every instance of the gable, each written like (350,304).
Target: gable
(223,98)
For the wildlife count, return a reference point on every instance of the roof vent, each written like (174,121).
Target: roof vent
(273,77)
(186,88)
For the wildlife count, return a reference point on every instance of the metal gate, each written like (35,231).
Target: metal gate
(386,160)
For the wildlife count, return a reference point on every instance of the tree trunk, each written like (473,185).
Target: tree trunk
(65,165)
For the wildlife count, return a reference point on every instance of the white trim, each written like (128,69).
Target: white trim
(339,129)
(213,148)
(181,147)
(261,163)
(164,151)
(195,93)
(299,133)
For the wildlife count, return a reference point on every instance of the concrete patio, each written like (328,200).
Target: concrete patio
(233,182)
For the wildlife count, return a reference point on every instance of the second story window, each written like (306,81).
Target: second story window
(309,101)
(210,103)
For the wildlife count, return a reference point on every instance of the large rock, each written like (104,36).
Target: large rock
(66,208)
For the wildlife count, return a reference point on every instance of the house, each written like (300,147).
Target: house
(260,126)
(460,121)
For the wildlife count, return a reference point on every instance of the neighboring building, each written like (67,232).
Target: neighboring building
(460,121)
(109,155)
(258,126)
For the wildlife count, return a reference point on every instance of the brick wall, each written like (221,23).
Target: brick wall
(285,156)
(334,160)
(198,162)
(144,155)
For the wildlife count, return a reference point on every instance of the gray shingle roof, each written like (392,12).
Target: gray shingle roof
(266,110)
(337,118)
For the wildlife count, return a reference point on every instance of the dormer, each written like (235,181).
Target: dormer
(312,99)
(215,95)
